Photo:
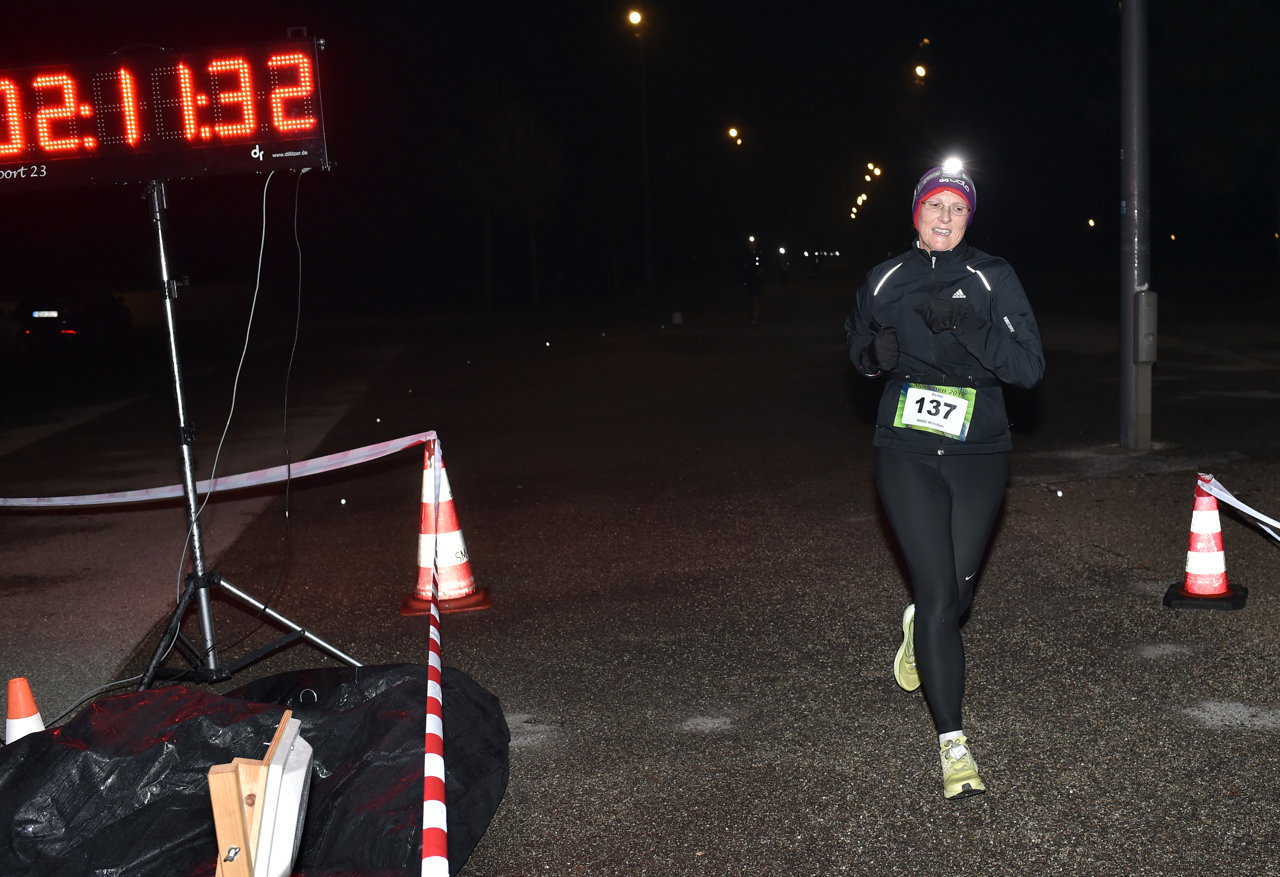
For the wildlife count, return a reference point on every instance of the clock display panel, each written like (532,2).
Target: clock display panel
(161,115)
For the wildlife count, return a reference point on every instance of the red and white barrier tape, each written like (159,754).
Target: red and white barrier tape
(231,482)
(435,831)
(1214,487)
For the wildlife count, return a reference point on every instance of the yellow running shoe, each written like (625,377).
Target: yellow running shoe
(904,663)
(959,771)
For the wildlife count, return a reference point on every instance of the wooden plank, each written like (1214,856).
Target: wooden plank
(235,858)
(275,740)
(251,776)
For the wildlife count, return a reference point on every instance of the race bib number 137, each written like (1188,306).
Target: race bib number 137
(940,410)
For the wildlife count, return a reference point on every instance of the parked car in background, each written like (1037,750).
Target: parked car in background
(61,319)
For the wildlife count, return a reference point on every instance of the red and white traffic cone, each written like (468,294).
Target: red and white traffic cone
(440,540)
(1205,585)
(21,716)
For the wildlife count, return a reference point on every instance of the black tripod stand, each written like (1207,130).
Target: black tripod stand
(205,665)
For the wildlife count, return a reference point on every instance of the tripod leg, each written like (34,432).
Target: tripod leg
(170,631)
(310,637)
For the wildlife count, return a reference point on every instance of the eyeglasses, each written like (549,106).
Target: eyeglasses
(938,207)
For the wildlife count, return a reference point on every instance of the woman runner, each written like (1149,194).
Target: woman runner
(944,323)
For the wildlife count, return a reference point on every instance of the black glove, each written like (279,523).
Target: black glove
(941,314)
(884,349)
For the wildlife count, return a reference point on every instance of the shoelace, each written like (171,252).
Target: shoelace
(961,743)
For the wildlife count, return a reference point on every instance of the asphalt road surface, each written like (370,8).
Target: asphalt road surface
(697,599)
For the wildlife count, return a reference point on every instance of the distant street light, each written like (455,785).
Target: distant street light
(634,17)
(864,197)
(733,132)
(919,71)
(1090,223)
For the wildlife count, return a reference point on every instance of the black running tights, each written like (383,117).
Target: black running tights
(942,508)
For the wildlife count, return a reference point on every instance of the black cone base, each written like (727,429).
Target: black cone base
(1177,598)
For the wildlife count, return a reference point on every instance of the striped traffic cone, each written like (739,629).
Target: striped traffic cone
(22,717)
(1205,585)
(440,539)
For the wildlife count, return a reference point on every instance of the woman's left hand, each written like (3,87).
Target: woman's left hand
(941,314)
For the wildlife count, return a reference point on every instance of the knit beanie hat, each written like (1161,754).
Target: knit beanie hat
(937,180)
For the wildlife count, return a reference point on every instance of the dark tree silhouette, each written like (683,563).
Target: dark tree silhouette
(1215,102)
(510,164)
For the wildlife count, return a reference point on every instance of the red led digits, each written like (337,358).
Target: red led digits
(187,97)
(304,88)
(129,98)
(244,97)
(67,110)
(13,114)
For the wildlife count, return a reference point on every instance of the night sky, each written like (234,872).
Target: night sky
(1026,93)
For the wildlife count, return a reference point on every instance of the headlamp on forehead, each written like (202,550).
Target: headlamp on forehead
(950,176)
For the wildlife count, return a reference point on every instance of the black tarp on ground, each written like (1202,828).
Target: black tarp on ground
(121,789)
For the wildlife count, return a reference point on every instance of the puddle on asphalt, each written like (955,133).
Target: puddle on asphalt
(706,725)
(1156,651)
(527,731)
(1230,715)
(31,583)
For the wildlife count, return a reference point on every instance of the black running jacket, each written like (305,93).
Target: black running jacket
(1000,341)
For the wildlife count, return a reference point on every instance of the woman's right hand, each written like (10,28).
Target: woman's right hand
(884,349)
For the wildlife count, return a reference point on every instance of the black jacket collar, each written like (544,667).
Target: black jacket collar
(956,254)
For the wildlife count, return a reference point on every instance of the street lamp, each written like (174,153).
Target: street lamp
(634,17)
(920,71)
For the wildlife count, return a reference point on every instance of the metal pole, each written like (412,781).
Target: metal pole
(644,151)
(1137,301)
(157,202)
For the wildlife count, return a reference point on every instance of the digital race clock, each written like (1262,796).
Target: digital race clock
(161,115)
